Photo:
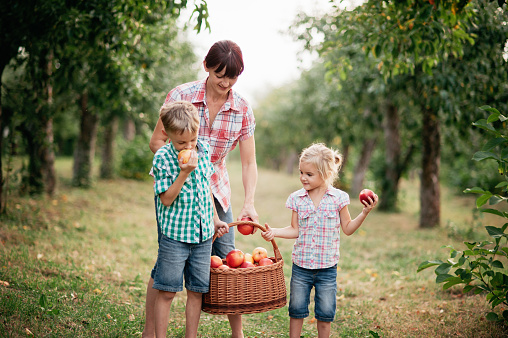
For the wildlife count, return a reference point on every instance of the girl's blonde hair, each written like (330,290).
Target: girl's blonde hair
(327,161)
(179,117)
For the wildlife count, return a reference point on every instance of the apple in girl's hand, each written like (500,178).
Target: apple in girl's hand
(184,155)
(235,258)
(215,261)
(248,258)
(365,194)
(259,253)
(265,261)
(246,229)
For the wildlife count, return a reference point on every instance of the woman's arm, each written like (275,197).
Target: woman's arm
(158,138)
(249,178)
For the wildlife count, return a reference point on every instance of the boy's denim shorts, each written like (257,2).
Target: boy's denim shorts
(325,283)
(221,246)
(177,260)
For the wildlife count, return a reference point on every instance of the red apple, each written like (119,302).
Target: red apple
(248,258)
(223,267)
(215,261)
(365,194)
(234,258)
(246,229)
(184,155)
(259,253)
(265,261)
(247,265)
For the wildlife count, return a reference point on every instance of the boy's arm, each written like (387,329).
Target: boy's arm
(350,226)
(221,227)
(168,197)
(288,232)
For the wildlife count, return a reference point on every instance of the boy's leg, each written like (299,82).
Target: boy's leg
(192,313)
(295,327)
(162,309)
(221,247)
(323,329)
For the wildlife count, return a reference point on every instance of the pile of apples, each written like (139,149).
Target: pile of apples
(236,259)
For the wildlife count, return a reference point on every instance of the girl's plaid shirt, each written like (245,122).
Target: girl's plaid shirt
(189,218)
(234,122)
(317,245)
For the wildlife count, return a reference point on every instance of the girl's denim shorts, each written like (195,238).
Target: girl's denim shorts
(325,283)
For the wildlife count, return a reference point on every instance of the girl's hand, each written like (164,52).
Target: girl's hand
(268,235)
(221,228)
(367,207)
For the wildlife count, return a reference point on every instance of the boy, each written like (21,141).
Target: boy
(186,216)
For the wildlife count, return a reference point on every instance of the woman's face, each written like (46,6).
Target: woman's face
(218,81)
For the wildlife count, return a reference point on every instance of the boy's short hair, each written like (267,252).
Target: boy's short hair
(179,117)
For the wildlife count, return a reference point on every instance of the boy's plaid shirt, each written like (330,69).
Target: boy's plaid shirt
(189,218)
(234,122)
(317,245)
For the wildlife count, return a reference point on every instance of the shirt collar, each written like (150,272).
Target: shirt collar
(200,97)
(199,148)
(329,191)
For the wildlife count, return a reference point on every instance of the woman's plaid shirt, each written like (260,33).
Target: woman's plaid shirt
(317,245)
(189,218)
(234,122)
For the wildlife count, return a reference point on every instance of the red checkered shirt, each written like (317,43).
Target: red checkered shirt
(317,245)
(234,122)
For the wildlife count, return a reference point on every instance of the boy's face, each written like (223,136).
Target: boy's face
(185,140)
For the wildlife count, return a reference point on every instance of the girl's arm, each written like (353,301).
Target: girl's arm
(249,178)
(287,232)
(350,226)
(158,138)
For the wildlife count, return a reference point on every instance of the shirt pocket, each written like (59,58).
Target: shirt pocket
(225,142)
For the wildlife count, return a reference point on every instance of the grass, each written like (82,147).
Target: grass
(77,265)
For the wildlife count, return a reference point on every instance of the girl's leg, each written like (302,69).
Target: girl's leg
(192,313)
(295,327)
(162,309)
(323,329)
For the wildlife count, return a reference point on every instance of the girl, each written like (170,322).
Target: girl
(319,212)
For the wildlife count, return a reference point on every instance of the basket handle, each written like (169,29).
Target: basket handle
(276,251)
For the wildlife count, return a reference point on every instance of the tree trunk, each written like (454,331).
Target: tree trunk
(108,156)
(48,153)
(429,189)
(85,147)
(291,161)
(129,130)
(2,126)
(362,165)
(390,181)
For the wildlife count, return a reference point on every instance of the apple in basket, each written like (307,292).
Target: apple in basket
(247,265)
(223,267)
(235,258)
(215,261)
(259,253)
(245,229)
(248,258)
(265,261)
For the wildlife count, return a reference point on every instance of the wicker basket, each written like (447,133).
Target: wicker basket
(251,290)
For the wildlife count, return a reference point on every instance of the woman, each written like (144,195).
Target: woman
(226,119)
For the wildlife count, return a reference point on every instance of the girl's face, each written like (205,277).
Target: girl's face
(218,82)
(185,140)
(309,176)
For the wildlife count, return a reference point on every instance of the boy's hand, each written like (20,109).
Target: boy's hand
(221,228)
(191,164)
(268,235)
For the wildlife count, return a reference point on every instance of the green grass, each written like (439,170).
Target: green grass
(76,265)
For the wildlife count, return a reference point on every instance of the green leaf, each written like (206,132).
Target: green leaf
(494,212)
(492,143)
(492,316)
(443,278)
(428,264)
(496,199)
(483,199)
(451,282)
(484,125)
(494,116)
(497,264)
(475,190)
(502,184)
(484,155)
(494,231)
(443,268)
(505,315)
(468,288)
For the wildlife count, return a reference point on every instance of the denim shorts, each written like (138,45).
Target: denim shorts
(221,246)
(177,260)
(325,283)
